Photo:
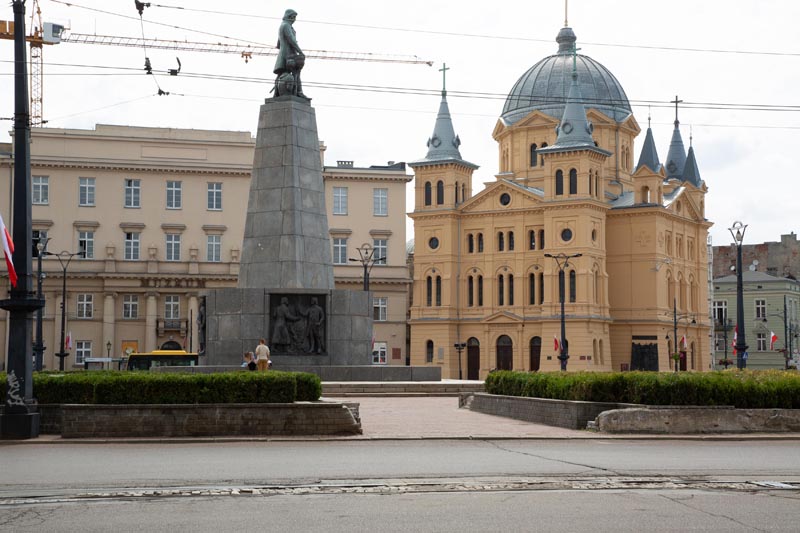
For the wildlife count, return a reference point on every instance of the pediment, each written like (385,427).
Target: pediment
(645,172)
(489,198)
(501,317)
(536,118)
(689,202)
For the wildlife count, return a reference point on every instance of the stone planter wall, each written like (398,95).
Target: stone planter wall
(689,420)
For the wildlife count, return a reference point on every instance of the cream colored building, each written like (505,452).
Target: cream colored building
(161,214)
(567,184)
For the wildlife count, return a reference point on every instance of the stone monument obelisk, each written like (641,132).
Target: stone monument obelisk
(286,290)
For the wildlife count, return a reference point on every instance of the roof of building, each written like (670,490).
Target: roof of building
(444,143)
(751,276)
(690,171)
(649,154)
(545,86)
(676,156)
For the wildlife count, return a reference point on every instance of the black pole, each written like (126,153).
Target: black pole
(39,347)
(675,332)
(725,326)
(20,420)
(61,353)
(741,344)
(366,275)
(562,278)
(785,337)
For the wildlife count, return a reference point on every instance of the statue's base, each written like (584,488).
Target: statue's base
(288,98)
(19,426)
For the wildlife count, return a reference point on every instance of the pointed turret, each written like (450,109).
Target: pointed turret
(649,155)
(690,171)
(676,157)
(443,144)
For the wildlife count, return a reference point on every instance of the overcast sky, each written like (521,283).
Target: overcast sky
(386,112)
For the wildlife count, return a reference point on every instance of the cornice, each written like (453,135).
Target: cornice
(141,167)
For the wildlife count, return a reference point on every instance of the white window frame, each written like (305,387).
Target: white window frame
(380,353)
(86,192)
(40,190)
(173,248)
(38,235)
(719,342)
(380,308)
(761,342)
(760,308)
(130,306)
(86,243)
(85,306)
(214,248)
(380,202)
(214,201)
(172,307)
(132,247)
(83,350)
(133,193)
(720,307)
(340,200)
(174,194)
(380,251)
(340,250)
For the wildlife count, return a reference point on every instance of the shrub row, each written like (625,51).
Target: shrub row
(741,389)
(112,387)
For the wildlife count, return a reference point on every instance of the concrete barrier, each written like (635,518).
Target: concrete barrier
(693,420)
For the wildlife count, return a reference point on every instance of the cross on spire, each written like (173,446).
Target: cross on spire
(444,70)
(648,117)
(676,102)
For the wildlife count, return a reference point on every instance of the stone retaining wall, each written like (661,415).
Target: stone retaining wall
(330,372)
(559,413)
(688,420)
(301,418)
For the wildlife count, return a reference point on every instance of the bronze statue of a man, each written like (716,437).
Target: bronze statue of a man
(290,59)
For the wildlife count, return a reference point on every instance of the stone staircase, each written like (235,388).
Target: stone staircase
(340,389)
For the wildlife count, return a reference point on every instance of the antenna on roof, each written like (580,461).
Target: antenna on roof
(566,9)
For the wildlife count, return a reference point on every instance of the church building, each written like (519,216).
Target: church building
(569,218)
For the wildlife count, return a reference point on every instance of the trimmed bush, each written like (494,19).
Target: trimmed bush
(309,387)
(742,389)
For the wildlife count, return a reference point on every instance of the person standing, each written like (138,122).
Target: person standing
(262,355)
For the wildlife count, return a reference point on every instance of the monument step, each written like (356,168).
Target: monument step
(418,388)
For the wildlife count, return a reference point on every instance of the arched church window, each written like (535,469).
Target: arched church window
(480,291)
(541,239)
(438,291)
(455,191)
(470,291)
(573,181)
(510,241)
(572,286)
(534,156)
(559,182)
(427,193)
(429,352)
(439,192)
(480,243)
(470,243)
(429,291)
(511,289)
(500,290)
(463,192)
(500,241)
(531,289)
(532,240)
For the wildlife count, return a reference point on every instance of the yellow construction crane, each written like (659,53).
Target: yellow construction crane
(48,33)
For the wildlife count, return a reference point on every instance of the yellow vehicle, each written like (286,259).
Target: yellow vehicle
(147,360)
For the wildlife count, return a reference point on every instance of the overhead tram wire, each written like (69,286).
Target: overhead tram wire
(485,36)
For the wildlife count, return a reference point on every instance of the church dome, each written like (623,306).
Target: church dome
(546,84)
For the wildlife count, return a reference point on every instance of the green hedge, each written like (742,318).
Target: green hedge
(113,387)
(742,389)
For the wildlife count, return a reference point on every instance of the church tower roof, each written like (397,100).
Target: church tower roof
(676,156)
(649,154)
(690,171)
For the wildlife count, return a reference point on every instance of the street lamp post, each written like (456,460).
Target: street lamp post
(562,260)
(726,325)
(39,347)
(459,346)
(64,258)
(366,256)
(737,232)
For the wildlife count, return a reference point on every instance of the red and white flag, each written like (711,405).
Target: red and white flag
(68,341)
(555,343)
(735,331)
(8,250)
(683,341)
(772,340)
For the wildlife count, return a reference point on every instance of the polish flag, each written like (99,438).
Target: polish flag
(772,340)
(68,341)
(8,250)
(683,341)
(555,343)
(735,331)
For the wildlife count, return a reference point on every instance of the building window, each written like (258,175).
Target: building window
(340,200)
(572,286)
(213,248)
(761,340)
(510,241)
(40,190)
(379,350)
(761,309)
(439,192)
(511,289)
(429,352)
(215,196)
(719,342)
(173,247)
(85,306)
(37,236)
(573,181)
(541,239)
(470,291)
(429,291)
(720,311)
(534,156)
(428,193)
(380,249)
(480,291)
(86,191)
(500,241)
(541,289)
(559,183)
(340,251)
(438,291)
(83,350)
(133,190)
(131,246)
(130,306)
(532,289)
(470,243)
(86,244)
(500,290)
(172,307)
(380,202)
(480,243)
(532,240)
(174,195)
(379,308)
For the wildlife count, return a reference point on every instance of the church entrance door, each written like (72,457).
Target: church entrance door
(505,353)
(473,358)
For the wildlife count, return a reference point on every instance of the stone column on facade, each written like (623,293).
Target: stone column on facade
(151,316)
(192,346)
(109,322)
